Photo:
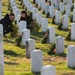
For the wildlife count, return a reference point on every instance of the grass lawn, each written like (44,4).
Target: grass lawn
(15,59)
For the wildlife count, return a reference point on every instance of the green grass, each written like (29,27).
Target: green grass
(15,59)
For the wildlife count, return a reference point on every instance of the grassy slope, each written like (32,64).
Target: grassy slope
(16,62)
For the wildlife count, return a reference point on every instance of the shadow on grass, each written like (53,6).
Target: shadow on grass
(61,55)
(10,52)
(9,41)
(32,74)
(11,63)
(38,34)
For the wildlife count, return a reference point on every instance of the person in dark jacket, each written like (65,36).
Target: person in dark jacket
(27,18)
(7,23)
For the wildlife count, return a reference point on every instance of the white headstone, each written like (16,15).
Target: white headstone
(43,5)
(74,15)
(71,56)
(17,12)
(46,8)
(1,45)
(44,24)
(73,31)
(18,18)
(57,17)
(51,35)
(1,65)
(59,44)
(48,70)
(57,3)
(36,60)
(52,2)
(70,2)
(35,10)
(65,22)
(68,9)
(22,25)
(25,36)
(39,3)
(74,4)
(38,18)
(61,7)
(1,29)
(51,11)
(31,7)
(28,5)
(30,46)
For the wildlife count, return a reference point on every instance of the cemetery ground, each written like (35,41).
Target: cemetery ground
(15,59)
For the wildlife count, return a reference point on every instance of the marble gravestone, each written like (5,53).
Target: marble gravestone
(65,21)
(1,65)
(74,15)
(25,36)
(71,56)
(1,44)
(39,3)
(73,31)
(61,7)
(51,11)
(34,11)
(43,5)
(31,7)
(52,2)
(36,61)
(59,45)
(51,34)
(48,70)
(57,17)
(46,8)
(44,24)
(28,5)
(30,46)
(22,25)
(1,29)
(68,9)
(57,3)
(38,18)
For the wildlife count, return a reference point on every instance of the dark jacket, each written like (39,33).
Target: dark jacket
(6,22)
(28,19)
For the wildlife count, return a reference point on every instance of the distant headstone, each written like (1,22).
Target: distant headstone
(57,3)
(30,46)
(35,10)
(48,70)
(25,36)
(57,17)
(43,5)
(46,8)
(65,22)
(28,5)
(74,15)
(22,25)
(36,60)
(68,9)
(51,11)
(71,56)
(31,7)
(44,24)
(39,3)
(38,18)
(51,34)
(59,45)
(61,7)
(73,31)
